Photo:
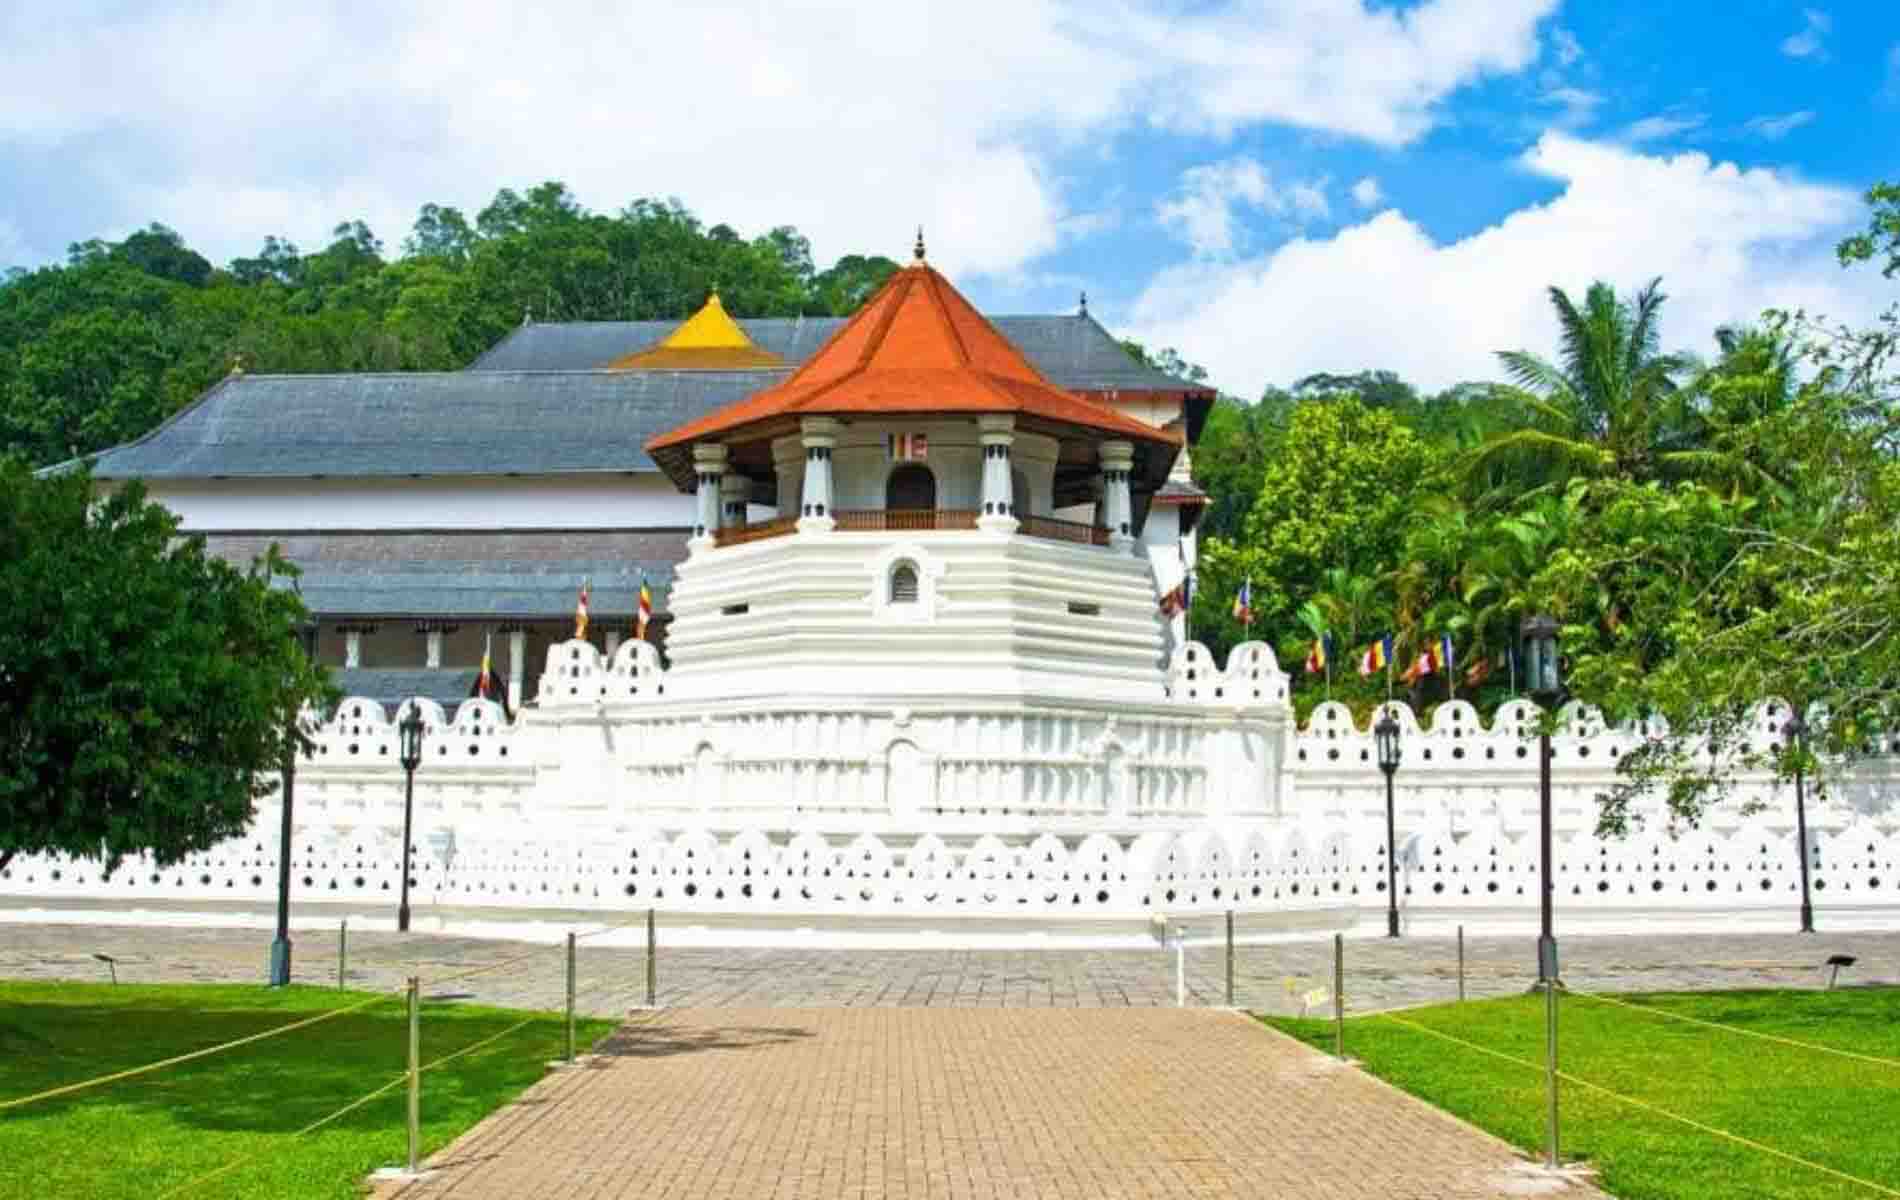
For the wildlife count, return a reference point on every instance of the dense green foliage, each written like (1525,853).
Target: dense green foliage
(148,1136)
(98,350)
(1821,1107)
(1709,532)
(148,691)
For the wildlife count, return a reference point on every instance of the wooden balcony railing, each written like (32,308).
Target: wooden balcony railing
(739,535)
(905,520)
(1059,530)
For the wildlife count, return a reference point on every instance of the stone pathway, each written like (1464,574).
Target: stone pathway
(1379,973)
(917,1103)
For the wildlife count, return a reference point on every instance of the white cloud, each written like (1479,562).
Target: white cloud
(1662,125)
(1367,194)
(1308,198)
(1776,128)
(1579,105)
(1810,41)
(1207,210)
(1203,211)
(1566,45)
(1728,242)
(855,122)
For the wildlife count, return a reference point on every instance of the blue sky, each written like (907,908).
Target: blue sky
(1276,188)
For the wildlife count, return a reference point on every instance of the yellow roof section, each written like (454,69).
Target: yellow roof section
(709,340)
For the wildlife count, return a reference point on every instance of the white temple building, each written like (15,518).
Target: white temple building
(915,671)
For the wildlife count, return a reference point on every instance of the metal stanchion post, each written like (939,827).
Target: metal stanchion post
(570,995)
(1550,1075)
(1338,995)
(415,1073)
(342,952)
(1461,964)
(653,975)
(1230,958)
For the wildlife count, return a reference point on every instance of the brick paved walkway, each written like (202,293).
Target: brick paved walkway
(751,1104)
(1379,973)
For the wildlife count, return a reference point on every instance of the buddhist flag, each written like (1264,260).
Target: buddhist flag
(580,614)
(1377,656)
(1420,668)
(1243,604)
(1442,657)
(645,615)
(1478,672)
(485,682)
(1317,656)
(906,447)
(1174,600)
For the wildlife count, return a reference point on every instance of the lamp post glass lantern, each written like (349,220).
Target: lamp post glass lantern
(1797,731)
(1385,736)
(409,737)
(1544,671)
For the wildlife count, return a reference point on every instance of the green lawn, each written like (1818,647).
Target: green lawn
(148,1135)
(1839,1112)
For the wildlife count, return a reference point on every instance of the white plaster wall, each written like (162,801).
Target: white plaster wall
(613,794)
(633,501)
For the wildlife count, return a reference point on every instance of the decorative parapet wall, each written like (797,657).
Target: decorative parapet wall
(611,793)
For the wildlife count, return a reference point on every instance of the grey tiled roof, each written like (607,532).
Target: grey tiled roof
(536,404)
(1073,352)
(474,589)
(447,686)
(442,423)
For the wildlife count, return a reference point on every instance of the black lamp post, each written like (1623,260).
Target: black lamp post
(409,734)
(1797,730)
(1546,687)
(1385,735)
(280,945)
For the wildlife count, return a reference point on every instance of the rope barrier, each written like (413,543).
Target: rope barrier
(83,1085)
(1767,1037)
(1658,1110)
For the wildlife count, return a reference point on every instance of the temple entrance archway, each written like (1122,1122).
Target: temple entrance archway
(911,487)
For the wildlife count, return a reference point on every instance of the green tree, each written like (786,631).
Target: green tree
(1608,407)
(149,693)
(1882,235)
(1335,497)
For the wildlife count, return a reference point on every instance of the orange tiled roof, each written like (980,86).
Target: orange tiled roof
(915,347)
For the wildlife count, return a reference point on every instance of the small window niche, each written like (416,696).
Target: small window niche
(904,583)
(735,610)
(1083,608)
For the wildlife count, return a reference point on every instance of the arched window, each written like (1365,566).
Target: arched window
(904,583)
(912,487)
(1019,493)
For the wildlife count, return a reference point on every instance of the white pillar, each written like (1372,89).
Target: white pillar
(819,435)
(517,661)
(997,431)
(352,649)
(434,642)
(734,491)
(1118,510)
(709,463)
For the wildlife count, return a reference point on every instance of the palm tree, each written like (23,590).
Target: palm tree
(1611,406)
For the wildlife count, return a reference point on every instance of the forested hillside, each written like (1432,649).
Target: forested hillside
(102,348)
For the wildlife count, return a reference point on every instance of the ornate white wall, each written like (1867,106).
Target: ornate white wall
(613,794)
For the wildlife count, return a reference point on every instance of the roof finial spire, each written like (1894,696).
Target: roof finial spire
(1085,304)
(917,251)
